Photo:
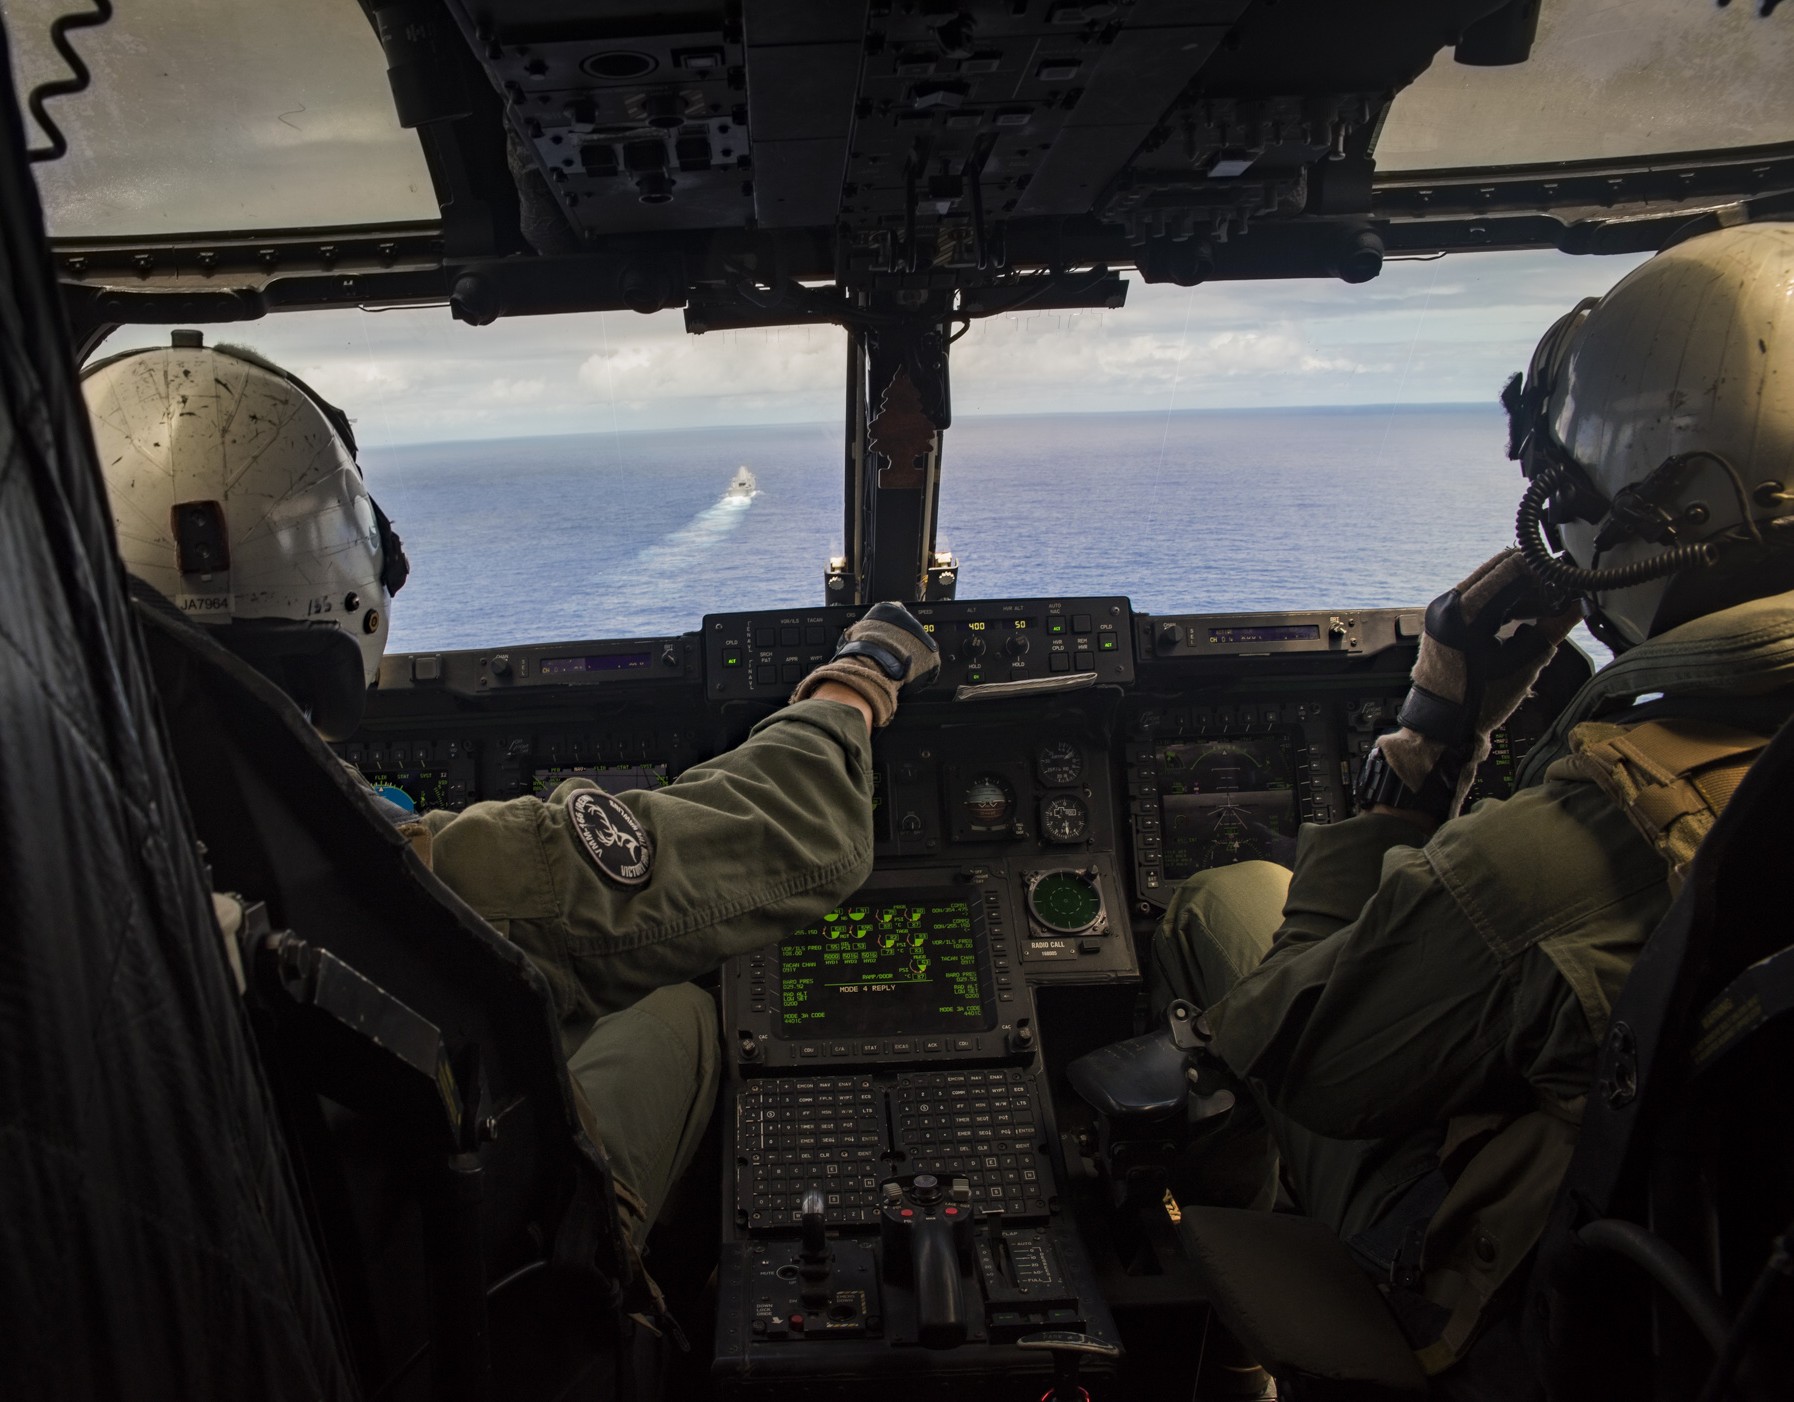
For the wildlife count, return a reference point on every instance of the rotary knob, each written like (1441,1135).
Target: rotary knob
(975,645)
(1016,645)
(1170,636)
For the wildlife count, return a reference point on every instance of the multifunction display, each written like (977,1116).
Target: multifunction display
(1228,799)
(612,778)
(898,964)
(418,790)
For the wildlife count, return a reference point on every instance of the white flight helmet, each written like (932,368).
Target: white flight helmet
(236,496)
(1657,427)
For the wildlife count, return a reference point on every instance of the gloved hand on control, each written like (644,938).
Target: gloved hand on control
(1467,680)
(885,653)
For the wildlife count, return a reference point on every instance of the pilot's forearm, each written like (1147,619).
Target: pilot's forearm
(746,848)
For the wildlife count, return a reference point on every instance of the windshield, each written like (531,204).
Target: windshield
(211,115)
(1230,446)
(1607,78)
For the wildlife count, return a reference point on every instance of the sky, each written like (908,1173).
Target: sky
(1448,330)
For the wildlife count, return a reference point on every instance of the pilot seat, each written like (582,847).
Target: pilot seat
(1666,1267)
(453,1182)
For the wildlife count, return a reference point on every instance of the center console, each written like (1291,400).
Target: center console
(897,1180)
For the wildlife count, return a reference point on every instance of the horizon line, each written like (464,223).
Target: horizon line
(1409,406)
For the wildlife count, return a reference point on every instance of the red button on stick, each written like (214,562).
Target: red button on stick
(952,1212)
(906,1212)
(797,1321)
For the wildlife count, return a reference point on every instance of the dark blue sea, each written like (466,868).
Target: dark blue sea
(620,534)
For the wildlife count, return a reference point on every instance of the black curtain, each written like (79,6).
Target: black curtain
(150,1242)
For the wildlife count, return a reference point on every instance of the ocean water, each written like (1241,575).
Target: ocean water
(616,535)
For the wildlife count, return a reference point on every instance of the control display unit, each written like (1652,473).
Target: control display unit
(903,963)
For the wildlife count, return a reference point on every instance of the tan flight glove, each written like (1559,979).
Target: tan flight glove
(1467,680)
(886,652)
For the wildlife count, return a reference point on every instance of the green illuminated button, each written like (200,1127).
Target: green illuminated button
(1106,642)
(1055,626)
(731,658)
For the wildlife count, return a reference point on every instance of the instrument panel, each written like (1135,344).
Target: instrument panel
(1085,757)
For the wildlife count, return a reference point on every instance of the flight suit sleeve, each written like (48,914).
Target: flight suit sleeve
(1378,1009)
(747,848)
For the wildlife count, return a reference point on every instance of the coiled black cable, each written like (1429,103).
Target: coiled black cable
(63,87)
(1564,575)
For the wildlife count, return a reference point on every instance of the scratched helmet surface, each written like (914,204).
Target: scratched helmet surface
(236,494)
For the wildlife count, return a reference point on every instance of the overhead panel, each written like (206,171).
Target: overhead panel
(803,74)
(1120,90)
(639,121)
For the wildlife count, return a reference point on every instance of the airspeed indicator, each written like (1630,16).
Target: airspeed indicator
(1058,763)
(1064,818)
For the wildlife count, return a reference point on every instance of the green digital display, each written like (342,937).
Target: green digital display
(884,966)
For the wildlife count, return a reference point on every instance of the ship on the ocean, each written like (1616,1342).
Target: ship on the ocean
(742,486)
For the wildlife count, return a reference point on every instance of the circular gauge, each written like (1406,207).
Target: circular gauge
(1066,902)
(988,801)
(1059,762)
(1064,818)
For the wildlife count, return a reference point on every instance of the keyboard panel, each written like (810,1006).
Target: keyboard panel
(845,1134)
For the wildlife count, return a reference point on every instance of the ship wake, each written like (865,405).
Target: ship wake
(697,538)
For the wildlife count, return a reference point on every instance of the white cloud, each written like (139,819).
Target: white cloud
(1425,332)
(515,392)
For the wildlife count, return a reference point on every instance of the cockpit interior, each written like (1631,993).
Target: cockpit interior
(901,1190)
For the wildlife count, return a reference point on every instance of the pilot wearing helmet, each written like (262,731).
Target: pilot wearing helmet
(237,500)
(1417,1009)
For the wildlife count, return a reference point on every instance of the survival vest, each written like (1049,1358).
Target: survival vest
(1671,777)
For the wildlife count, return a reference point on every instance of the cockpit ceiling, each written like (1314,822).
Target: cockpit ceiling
(923,147)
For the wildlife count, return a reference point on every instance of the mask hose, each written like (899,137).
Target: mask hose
(1566,578)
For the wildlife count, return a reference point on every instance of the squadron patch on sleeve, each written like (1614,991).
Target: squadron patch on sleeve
(615,841)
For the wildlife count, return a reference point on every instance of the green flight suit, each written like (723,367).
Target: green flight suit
(1397,1007)
(748,847)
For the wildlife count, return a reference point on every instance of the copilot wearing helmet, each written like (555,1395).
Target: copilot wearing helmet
(1657,427)
(236,496)
(1415,1011)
